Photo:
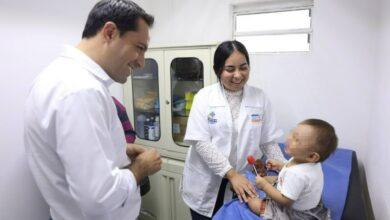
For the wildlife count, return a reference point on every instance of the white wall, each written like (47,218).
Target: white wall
(378,151)
(32,35)
(30,38)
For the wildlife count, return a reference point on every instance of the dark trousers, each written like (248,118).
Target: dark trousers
(218,203)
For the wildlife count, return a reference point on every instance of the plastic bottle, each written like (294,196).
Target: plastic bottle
(157,128)
(151,129)
(146,129)
(139,129)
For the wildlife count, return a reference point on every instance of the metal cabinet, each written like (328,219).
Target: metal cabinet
(158,99)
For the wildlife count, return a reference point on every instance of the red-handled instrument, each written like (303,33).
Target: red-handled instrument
(251,160)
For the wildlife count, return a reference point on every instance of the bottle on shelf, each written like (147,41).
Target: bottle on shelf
(146,129)
(139,126)
(157,127)
(151,129)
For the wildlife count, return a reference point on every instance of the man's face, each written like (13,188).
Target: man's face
(127,52)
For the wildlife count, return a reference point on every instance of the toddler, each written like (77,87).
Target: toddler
(300,181)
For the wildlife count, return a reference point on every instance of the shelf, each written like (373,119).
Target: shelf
(175,115)
(187,80)
(151,111)
(140,78)
(181,144)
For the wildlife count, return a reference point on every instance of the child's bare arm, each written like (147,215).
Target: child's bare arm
(271,179)
(254,205)
(273,193)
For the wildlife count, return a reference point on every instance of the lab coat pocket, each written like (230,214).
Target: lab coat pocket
(194,183)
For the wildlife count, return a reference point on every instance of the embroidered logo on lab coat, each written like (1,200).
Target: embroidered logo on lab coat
(211,118)
(256,119)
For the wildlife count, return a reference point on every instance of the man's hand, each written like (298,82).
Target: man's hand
(133,150)
(145,164)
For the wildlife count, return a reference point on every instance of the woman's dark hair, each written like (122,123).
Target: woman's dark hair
(123,13)
(223,52)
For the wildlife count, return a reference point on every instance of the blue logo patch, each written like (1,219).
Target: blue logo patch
(211,118)
(255,118)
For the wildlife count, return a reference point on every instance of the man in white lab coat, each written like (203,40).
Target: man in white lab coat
(74,140)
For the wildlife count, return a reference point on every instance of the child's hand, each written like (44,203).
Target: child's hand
(273,164)
(261,182)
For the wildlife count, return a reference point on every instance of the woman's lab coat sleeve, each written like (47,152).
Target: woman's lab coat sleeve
(272,151)
(198,135)
(83,134)
(214,159)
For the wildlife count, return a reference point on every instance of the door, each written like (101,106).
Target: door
(143,94)
(186,72)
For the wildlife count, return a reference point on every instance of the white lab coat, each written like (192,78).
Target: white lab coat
(75,143)
(210,120)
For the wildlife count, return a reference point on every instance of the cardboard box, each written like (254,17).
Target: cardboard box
(179,126)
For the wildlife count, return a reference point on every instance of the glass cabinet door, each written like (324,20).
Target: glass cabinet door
(146,101)
(187,78)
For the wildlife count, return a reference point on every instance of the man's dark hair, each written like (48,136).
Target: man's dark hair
(325,137)
(223,52)
(123,13)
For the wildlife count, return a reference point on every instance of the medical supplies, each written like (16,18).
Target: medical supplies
(147,127)
(179,126)
(139,126)
(147,102)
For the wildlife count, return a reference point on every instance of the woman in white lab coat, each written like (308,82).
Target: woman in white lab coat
(228,121)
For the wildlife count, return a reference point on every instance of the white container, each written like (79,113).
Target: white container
(140,126)
(151,131)
(157,128)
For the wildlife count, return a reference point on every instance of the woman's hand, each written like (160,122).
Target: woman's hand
(273,164)
(241,185)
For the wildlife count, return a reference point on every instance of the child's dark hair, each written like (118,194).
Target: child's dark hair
(326,139)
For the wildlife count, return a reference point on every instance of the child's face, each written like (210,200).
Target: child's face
(300,142)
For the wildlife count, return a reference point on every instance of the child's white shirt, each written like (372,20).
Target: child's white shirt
(302,183)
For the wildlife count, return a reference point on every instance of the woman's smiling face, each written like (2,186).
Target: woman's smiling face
(235,72)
